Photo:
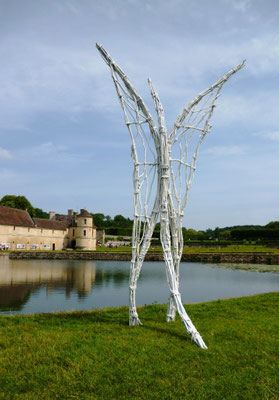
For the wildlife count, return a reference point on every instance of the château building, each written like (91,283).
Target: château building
(18,230)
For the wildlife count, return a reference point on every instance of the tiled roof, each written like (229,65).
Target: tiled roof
(66,219)
(84,213)
(14,216)
(50,224)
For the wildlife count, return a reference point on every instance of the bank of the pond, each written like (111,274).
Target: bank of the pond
(96,355)
(213,258)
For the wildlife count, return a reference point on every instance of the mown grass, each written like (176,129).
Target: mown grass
(232,249)
(194,250)
(158,249)
(96,355)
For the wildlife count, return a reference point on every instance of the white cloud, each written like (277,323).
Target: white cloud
(7,175)
(241,5)
(271,135)
(5,154)
(224,151)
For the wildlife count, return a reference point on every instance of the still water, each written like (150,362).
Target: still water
(32,286)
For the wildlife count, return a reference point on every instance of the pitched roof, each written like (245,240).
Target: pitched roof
(84,213)
(14,216)
(50,224)
(68,220)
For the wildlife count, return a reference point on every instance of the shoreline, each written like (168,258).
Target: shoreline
(212,258)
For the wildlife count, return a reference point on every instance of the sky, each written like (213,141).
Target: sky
(64,144)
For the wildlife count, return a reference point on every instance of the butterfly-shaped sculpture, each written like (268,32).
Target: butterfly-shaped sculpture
(170,160)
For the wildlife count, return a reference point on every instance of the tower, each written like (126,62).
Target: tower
(85,232)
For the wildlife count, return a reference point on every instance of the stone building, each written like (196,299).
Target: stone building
(18,230)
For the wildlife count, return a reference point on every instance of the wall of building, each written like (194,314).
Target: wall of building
(100,235)
(19,237)
(36,237)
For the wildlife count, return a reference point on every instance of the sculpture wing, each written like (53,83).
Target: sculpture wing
(144,137)
(186,137)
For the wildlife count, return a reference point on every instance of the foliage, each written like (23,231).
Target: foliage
(96,355)
(39,213)
(255,233)
(22,203)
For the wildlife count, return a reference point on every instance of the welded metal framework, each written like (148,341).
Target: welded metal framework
(169,160)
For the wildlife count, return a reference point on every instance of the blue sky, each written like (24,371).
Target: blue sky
(63,140)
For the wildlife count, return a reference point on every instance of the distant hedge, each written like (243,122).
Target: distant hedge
(255,234)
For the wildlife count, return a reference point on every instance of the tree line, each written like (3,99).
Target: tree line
(122,226)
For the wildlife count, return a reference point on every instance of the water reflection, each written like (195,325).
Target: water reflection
(29,286)
(19,279)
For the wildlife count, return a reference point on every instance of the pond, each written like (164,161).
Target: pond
(32,286)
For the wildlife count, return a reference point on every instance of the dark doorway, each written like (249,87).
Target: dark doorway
(53,246)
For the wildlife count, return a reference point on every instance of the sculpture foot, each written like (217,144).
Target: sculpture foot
(134,320)
(170,318)
(171,310)
(196,337)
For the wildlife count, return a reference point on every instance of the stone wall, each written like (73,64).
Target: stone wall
(246,258)
(32,237)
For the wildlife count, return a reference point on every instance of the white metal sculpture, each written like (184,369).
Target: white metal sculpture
(169,159)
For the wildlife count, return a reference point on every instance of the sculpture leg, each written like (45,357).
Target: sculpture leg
(171,313)
(133,315)
(177,244)
(136,265)
(173,284)
(195,336)
(134,275)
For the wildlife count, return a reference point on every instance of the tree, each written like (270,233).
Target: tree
(216,232)
(98,219)
(39,213)
(19,202)
(209,234)
(273,225)
(225,235)
(119,220)
(22,203)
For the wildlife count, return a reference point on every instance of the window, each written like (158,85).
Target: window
(73,232)
(84,221)
(84,233)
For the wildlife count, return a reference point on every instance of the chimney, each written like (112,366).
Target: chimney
(51,214)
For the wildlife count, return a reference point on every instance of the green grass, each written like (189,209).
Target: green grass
(232,249)
(228,249)
(96,355)
(157,249)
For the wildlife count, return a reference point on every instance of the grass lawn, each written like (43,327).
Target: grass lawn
(229,249)
(96,355)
